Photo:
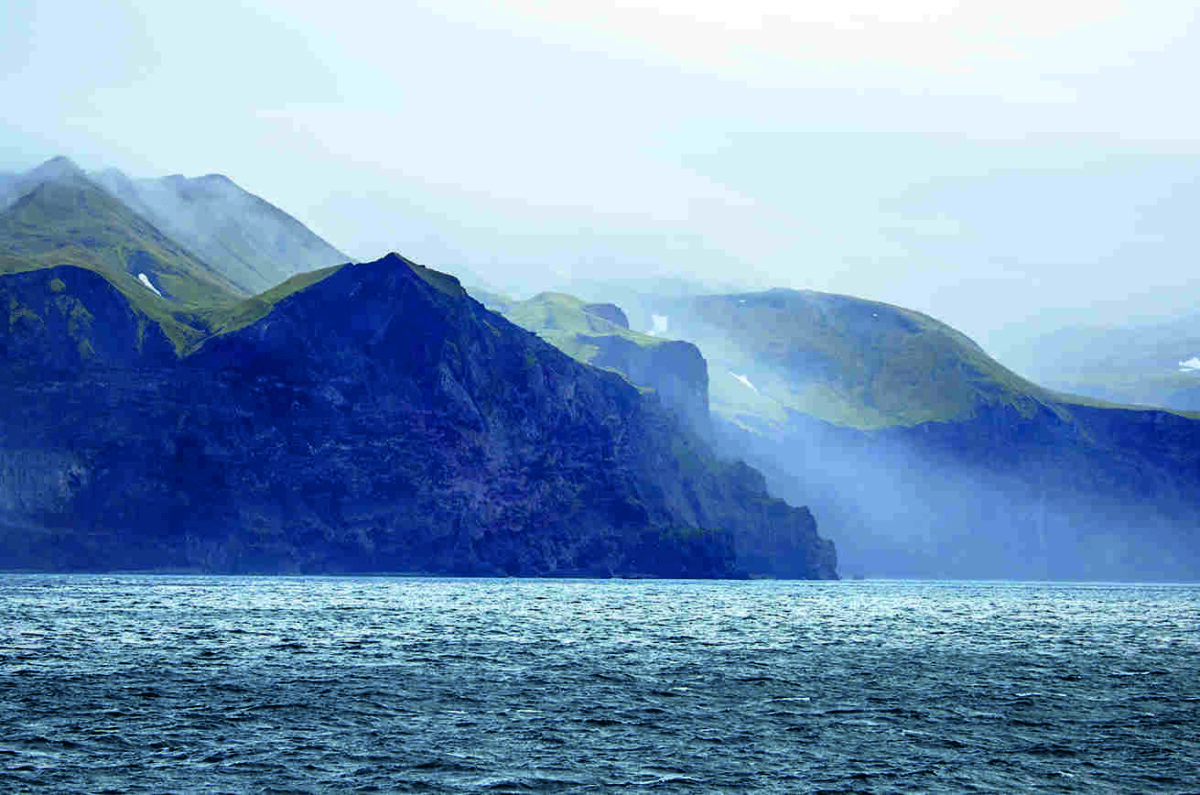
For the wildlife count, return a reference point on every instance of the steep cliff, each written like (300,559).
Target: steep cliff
(599,334)
(923,456)
(375,419)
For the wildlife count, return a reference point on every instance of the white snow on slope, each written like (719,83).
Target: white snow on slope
(659,325)
(144,279)
(744,380)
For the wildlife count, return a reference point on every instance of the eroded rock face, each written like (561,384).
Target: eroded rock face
(673,369)
(59,322)
(378,420)
(1090,493)
(599,335)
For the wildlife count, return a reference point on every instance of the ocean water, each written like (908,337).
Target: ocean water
(242,684)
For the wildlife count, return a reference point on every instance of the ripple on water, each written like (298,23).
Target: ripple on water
(374,684)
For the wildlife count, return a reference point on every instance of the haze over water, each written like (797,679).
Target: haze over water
(163,683)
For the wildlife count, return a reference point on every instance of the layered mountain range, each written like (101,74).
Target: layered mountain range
(192,379)
(1154,364)
(356,417)
(923,456)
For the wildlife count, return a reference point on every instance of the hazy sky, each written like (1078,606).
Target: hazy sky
(991,163)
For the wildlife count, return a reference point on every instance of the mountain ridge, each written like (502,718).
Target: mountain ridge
(62,215)
(913,445)
(71,220)
(923,456)
(254,243)
(413,430)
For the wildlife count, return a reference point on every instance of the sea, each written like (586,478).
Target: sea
(163,683)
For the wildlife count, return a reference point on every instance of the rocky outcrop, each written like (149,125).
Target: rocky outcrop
(378,420)
(65,321)
(675,370)
(599,334)
(924,457)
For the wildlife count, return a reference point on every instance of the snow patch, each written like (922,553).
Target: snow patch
(145,280)
(744,381)
(658,325)
(1191,365)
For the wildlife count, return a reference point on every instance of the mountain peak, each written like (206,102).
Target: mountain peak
(252,243)
(56,169)
(442,282)
(393,259)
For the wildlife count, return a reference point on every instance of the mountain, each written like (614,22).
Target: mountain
(1153,364)
(253,243)
(844,360)
(369,417)
(599,334)
(56,169)
(64,218)
(923,456)
(184,251)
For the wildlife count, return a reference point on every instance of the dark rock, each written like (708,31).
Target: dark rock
(63,321)
(378,420)
(673,369)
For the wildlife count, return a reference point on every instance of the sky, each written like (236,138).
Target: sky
(1003,166)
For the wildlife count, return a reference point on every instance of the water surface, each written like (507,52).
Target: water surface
(240,684)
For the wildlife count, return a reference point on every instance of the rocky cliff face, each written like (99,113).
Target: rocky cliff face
(65,321)
(610,312)
(923,457)
(998,496)
(675,370)
(599,334)
(379,419)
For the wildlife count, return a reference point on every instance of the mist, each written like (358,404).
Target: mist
(1032,489)
(921,503)
(1011,169)
(252,242)
(1150,364)
(1006,168)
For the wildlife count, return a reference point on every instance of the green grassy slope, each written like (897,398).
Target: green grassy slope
(187,331)
(71,221)
(847,361)
(231,318)
(565,322)
(250,241)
